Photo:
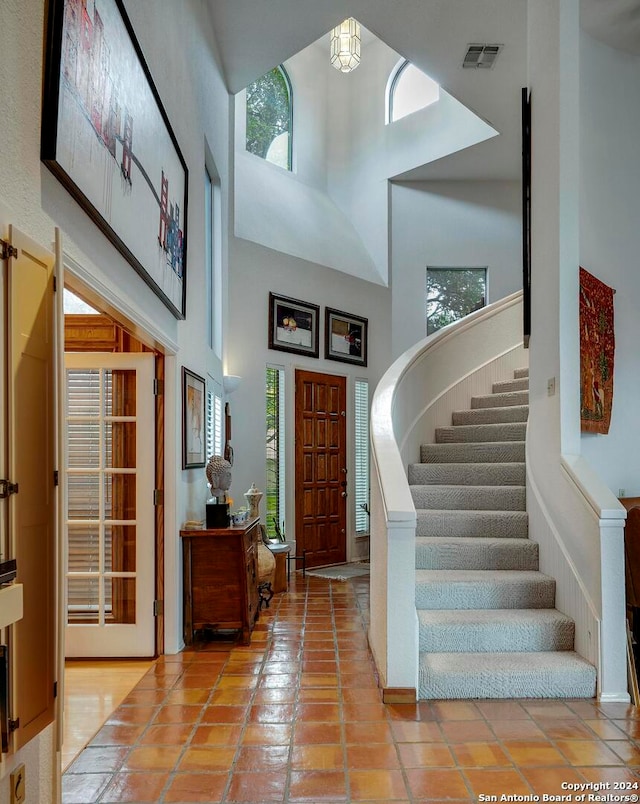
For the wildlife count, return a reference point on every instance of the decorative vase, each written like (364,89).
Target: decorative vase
(253,497)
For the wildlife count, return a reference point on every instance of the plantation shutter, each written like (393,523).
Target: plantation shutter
(362,456)
(214,424)
(84,394)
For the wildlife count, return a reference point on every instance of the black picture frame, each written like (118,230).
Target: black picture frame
(346,337)
(194,437)
(294,326)
(526,215)
(107,138)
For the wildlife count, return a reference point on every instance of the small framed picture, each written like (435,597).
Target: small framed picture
(345,337)
(193,420)
(293,326)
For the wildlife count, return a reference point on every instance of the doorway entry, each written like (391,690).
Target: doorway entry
(114,419)
(321,467)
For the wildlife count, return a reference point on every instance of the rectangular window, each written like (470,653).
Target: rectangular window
(213,260)
(453,293)
(362,456)
(275,451)
(214,424)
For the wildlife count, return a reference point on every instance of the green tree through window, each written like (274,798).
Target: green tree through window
(275,450)
(269,118)
(453,293)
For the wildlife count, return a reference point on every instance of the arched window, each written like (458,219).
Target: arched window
(409,89)
(270,116)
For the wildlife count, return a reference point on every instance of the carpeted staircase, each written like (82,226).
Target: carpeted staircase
(488,626)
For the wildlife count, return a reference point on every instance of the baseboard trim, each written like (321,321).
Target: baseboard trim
(399,695)
(614,697)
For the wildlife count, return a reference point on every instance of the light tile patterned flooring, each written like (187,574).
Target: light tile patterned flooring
(297,717)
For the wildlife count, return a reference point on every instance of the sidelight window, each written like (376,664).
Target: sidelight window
(275,451)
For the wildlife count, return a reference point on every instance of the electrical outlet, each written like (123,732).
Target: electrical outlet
(622,492)
(18,788)
(551,386)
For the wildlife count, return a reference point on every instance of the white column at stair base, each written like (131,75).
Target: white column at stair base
(613,637)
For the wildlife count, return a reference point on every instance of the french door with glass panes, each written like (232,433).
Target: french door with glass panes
(109,508)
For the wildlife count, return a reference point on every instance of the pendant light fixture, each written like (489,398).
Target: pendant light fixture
(345,45)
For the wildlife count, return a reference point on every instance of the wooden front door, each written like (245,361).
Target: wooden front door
(321,468)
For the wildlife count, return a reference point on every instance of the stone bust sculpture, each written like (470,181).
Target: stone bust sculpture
(218,473)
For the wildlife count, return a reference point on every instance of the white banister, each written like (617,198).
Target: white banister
(608,517)
(412,394)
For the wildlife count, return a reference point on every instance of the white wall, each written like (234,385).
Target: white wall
(338,192)
(610,239)
(450,223)
(256,271)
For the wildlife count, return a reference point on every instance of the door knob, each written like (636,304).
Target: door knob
(344,494)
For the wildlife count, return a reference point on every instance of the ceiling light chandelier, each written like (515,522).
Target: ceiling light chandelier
(345,45)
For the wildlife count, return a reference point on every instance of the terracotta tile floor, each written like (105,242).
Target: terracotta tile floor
(297,717)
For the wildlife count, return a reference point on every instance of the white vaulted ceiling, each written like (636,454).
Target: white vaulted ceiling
(254,35)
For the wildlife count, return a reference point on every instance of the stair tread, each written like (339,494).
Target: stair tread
(463,541)
(467,474)
(499,400)
(445,616)
(519,384)
(482,513)
(495,631)
(544,674)
(467,487)
(493,415)
(466,497)
(473,452)
(480,576)
(440,524)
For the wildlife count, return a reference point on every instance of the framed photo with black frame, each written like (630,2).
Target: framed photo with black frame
(346,337)
(107,138)
(293,326)
(194,439)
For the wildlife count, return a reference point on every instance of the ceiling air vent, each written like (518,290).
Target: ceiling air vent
(481,56)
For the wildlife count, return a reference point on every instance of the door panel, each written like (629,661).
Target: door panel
(109,515)
(31,463)
(321,478)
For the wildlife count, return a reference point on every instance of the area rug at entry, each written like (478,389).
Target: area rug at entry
(340,572)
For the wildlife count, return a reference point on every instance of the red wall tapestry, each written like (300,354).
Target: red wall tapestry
(597,345)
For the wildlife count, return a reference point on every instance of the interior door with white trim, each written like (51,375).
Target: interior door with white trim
(109,504)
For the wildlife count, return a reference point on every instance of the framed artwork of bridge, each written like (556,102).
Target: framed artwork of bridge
(107,138)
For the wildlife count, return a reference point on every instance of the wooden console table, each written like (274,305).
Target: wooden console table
(220,579)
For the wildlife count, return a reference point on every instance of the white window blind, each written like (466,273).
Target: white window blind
(214,424)
(362,456)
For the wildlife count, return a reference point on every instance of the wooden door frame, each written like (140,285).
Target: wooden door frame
(343,381)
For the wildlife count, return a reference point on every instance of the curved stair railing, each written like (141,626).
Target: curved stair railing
(417,393)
